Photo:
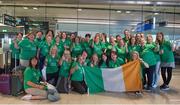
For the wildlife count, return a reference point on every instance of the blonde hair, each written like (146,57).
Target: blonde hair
(52,48)
(135,52)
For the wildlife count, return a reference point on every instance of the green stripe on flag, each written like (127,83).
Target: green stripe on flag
(94,79)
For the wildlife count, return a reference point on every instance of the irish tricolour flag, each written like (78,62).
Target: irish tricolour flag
(121,79)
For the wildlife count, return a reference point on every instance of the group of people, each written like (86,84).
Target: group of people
(65,55)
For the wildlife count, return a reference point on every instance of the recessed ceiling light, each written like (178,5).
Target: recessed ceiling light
(79,9)
(119,11)
(25,7)
(156,13)
(128,12)
(35,8)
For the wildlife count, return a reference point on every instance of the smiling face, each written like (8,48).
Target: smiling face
(135,56)
(159,37)
(113,56)
(31,37)
(149,38)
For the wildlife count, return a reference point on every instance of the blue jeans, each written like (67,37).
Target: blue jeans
(156,75)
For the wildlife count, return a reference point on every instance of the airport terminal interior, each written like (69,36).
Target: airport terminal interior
(80,17)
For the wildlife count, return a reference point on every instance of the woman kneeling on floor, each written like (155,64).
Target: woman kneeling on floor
(32,86)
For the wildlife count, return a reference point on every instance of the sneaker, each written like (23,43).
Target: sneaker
(162,86)
(154,86)
(148,89)
(138,93)
(165,87)
(27,97)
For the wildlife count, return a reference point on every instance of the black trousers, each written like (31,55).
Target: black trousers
(13,61)
(79,86)
(166,73)
(149,72)
(52,78)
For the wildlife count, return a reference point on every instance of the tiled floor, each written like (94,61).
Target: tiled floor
(157,97)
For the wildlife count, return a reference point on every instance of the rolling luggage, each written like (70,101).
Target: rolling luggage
(5,79)
(17,80)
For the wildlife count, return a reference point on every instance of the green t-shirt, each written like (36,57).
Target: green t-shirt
(65,42)
(28,49)
(15,52)
(97,49)
(52,64)
(131,49)
(78,74)
(110,47)
(104,45)
(121,52)
(125,40)
(44,48)
(60,50)
(87,48)
(147,54)
(33,75)
(37,41)
(118,63)
(103,65)
(65,68)
(76,50)
(156,53)
(168,55)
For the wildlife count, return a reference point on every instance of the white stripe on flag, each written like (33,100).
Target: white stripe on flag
(113,79)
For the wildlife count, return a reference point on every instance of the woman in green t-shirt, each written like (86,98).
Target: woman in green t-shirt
(15,51)
(65,63)
(59,46)
(103,63)
(156,73)
(167,60)
(122,50)
(77,76)
(28,49)
(94,61)
(52,63)
(132,46)
(147,54)
(87,45)
(96,45)
(43,50)
(76,48)
(32,86)
(115,61)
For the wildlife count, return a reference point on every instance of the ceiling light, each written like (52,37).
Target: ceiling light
(128,12)
(79,9)
(0,2)
(84,21)
(25,7)
(156,13)
(119,11)
(143,2)
(35,8)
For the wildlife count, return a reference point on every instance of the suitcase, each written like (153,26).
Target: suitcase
(5,79)
(17,80)
(16,85)
(63,85)
(5,84)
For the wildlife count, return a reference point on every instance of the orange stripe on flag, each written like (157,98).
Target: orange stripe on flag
(132,76)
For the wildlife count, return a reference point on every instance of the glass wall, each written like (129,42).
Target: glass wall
(104,16)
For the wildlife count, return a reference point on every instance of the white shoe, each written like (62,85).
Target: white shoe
(27,97)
